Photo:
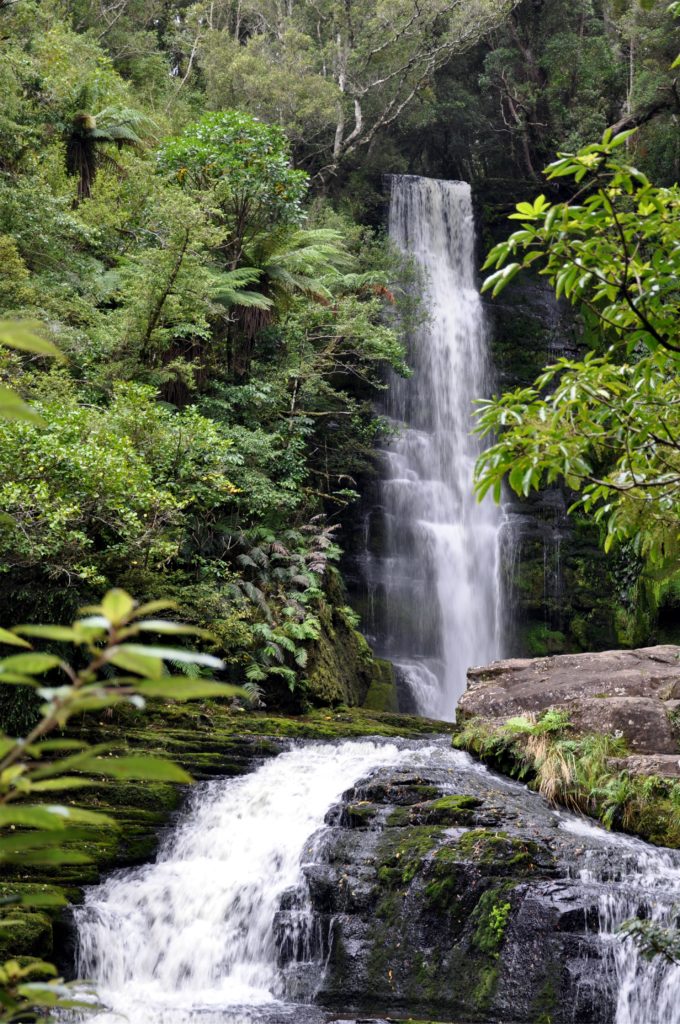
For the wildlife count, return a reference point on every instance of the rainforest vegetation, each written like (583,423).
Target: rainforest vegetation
(199,308)
(192,209)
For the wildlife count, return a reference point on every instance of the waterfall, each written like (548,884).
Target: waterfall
(438,572)
(217,930)
(648,886)
(196,928)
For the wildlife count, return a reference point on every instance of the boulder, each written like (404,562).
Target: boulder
(633,694)
(665,765)
(458,902)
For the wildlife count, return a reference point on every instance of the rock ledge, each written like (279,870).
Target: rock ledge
(633,694)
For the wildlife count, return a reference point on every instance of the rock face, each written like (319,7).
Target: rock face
(446,893)
(633,694)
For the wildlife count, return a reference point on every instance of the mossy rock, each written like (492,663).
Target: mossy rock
(402,853)
(401,791)
(359,815)
(454,809)
(341,667)
(382,693)
(30,934)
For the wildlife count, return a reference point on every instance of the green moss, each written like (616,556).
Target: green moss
(491,917)
(156,797)
(25,933)
(455,809)
(447,810)
(498,850)
(443,893)
(400,817)
(382,693)
(400,857)
(342,669)
(359,815)
(486,986)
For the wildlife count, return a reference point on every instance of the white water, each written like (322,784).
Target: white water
(192,938)
(648,886)
(440,579)
(195,929)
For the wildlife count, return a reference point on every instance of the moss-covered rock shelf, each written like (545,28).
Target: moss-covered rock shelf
(594,732)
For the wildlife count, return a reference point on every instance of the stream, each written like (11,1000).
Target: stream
(197,936)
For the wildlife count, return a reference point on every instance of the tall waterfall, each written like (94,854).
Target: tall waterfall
(438,573)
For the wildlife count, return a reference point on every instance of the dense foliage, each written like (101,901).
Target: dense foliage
(221,337)
(607,424)
(210,280)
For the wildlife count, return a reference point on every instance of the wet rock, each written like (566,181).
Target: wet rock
(461,906)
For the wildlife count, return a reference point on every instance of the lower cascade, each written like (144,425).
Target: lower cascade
(380,878)
(197,927)
(433,582)
(648,886)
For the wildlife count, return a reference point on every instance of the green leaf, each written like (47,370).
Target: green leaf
(22,334)
(172,628)
(60,784)
(49,746)
(21,842)
(152,769)
(15,679)
(135,658)
(174,654)
(9,638)
(14,408)
(182,688)
(59,633)
(72,763)
(155,606)
(50,817)
(33,664)
(117,606)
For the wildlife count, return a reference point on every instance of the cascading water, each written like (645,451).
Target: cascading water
(193,937)
(209,933)
(195,929)
(438,572)
(647,885)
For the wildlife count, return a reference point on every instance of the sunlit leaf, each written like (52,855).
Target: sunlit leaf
(152,769)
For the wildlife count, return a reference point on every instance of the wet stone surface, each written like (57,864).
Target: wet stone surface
(447,893)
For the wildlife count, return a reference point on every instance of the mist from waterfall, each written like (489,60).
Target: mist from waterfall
(438,573)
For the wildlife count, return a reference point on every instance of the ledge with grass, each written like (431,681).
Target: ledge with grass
(598,733)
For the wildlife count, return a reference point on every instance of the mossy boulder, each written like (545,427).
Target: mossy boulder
(28,933)
(434,910)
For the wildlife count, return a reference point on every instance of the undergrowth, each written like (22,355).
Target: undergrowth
(578,772)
